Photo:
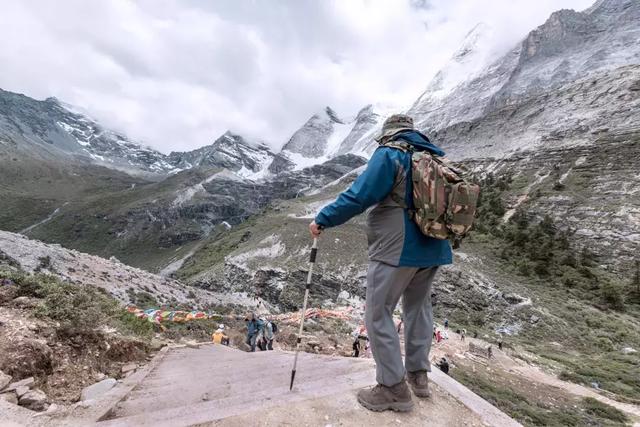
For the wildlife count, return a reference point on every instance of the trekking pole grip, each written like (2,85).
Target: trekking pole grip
(314,251)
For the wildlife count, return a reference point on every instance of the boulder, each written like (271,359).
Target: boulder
(98,389)
(22,390)
(9,397)
(35,400)
(27,382)
(4,380)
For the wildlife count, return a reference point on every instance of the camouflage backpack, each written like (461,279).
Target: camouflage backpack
(444,203)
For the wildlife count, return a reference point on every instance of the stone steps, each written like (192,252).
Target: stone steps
(212,383)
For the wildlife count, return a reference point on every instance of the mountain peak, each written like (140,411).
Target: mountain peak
(333,116)
(310,140)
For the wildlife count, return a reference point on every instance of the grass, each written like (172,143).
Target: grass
(517,403)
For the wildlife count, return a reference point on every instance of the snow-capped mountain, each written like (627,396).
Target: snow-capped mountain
(231,151)
(326,135)
(434,109)
(312,139)
(567,78)
(50,129)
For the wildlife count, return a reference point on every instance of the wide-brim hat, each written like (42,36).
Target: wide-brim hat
(395,124)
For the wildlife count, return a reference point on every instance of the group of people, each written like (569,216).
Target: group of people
(260,332)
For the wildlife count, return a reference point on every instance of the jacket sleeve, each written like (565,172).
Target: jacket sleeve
(371,187)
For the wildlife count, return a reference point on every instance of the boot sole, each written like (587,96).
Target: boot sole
(393,406)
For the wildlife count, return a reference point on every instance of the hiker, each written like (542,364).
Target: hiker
(500,344)
(443,364)
(446,324)
(462,334)
(270,328)
(219,337)
(261,340)
(402,264)
(253,329)
(356,347)
(438,336)
(489,352)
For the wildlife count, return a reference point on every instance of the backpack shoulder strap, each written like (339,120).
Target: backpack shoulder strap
(406,148)
(400,145)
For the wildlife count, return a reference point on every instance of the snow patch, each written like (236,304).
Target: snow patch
(311,210)
(300,162)
(184,195)
(340,132)
(275,249)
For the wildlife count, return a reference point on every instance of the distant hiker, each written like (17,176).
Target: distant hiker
(489,352)
(443,365)
(270,329)
(462,334)
(446,323)
(402,264)
(500,344)
(219,337)
(253,328)
(356,347)
(434,332)
(261,340)
(438,336)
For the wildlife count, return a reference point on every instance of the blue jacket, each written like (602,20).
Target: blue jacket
(253,327)
(392,235)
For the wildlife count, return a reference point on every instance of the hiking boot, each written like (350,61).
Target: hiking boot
(419,383)
(381,398)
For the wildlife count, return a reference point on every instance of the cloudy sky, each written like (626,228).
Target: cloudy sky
(175,74)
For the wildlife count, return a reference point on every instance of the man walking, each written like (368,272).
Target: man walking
(402,264)
(268,334)
(253,328)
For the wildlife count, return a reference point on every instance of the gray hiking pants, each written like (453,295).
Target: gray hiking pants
(385,285)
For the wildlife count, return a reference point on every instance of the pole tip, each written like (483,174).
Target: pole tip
(293,375)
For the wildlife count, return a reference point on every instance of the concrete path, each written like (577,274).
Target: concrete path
(218,385)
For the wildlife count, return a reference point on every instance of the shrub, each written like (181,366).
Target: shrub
(74,306)
(612,296)
(524,268)
(602,410)
(541,268)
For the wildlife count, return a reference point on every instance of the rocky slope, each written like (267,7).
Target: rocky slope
(549,90)
(121,281)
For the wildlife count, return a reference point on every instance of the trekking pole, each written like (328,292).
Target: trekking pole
(312,260)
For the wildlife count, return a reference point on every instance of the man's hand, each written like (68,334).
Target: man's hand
(315,229)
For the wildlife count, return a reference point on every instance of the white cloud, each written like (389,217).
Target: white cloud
(176,74)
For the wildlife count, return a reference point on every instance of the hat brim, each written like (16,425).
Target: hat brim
(391,132)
